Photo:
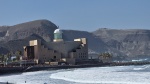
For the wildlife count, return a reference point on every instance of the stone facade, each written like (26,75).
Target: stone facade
(71,52)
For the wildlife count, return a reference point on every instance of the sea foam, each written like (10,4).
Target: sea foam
(113,75)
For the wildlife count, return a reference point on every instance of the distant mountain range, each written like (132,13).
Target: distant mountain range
(125,43)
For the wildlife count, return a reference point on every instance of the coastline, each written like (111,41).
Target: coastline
(11,70)
(19,69)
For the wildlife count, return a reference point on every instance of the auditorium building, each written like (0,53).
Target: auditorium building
(70,52)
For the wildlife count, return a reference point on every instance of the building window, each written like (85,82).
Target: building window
(54,57)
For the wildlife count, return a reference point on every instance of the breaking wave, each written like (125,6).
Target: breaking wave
(113,75)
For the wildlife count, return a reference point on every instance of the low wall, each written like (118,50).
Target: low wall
(128,63)
(4,70)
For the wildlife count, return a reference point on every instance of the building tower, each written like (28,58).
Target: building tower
(58,35)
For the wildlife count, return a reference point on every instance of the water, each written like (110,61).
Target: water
(95,75)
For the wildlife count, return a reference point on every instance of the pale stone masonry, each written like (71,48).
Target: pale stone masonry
(71,52)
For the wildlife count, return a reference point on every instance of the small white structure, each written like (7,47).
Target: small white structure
(13,57)
(58,35)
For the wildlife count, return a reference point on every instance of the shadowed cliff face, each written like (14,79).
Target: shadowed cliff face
(3,50)
(43,28)
(95,43)
(131,43)
(14,45)
(13,38)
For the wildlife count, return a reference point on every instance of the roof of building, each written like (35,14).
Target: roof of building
(58,31)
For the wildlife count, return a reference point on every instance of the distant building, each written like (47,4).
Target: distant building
(71,52)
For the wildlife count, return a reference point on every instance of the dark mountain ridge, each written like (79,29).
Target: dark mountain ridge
(20,31)
(129,43)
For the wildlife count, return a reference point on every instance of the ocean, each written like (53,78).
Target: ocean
(95,75)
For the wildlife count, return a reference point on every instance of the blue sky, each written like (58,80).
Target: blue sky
(86,15)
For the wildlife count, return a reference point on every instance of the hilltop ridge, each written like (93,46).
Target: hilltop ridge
(127,43)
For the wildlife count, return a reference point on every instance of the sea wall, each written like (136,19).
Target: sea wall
(4,70)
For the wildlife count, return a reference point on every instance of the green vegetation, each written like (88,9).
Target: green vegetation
(106,57)
(18,55)
(7,57)
(1,57)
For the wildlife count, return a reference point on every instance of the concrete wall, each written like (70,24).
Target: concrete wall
(64,47)
(45,55)
(70,51)
(81,53)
